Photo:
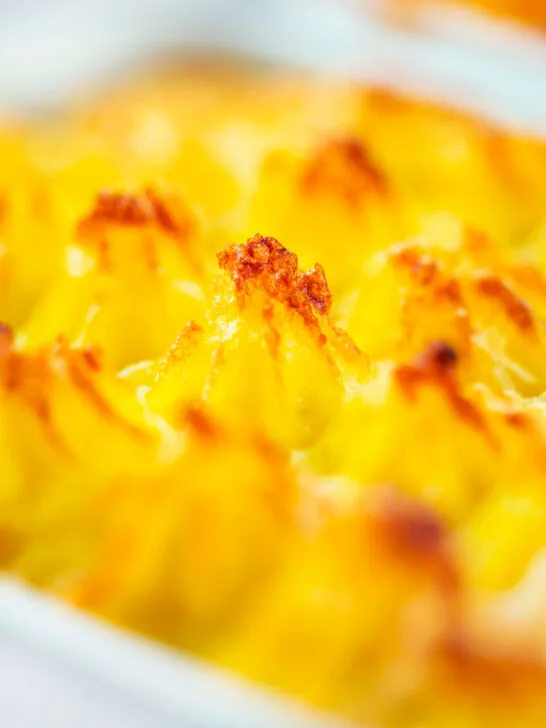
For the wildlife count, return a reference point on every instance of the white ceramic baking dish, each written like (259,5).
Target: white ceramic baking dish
(63,669)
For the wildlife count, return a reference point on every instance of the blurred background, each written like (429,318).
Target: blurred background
(51,50)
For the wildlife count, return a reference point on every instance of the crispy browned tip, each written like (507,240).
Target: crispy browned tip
(139,210)
(436,366)
(426,272)
(431,285)
(514,307)
(344,167)
(119,209)
(30,376)
(264,263)
(134,209)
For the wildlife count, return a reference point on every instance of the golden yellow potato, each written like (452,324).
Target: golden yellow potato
(273,387)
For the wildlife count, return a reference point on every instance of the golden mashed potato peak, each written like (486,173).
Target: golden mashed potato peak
(266,263)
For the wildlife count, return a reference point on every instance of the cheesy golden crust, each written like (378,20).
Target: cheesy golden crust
(272,385)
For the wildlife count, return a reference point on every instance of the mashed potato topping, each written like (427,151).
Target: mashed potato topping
(272,376)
